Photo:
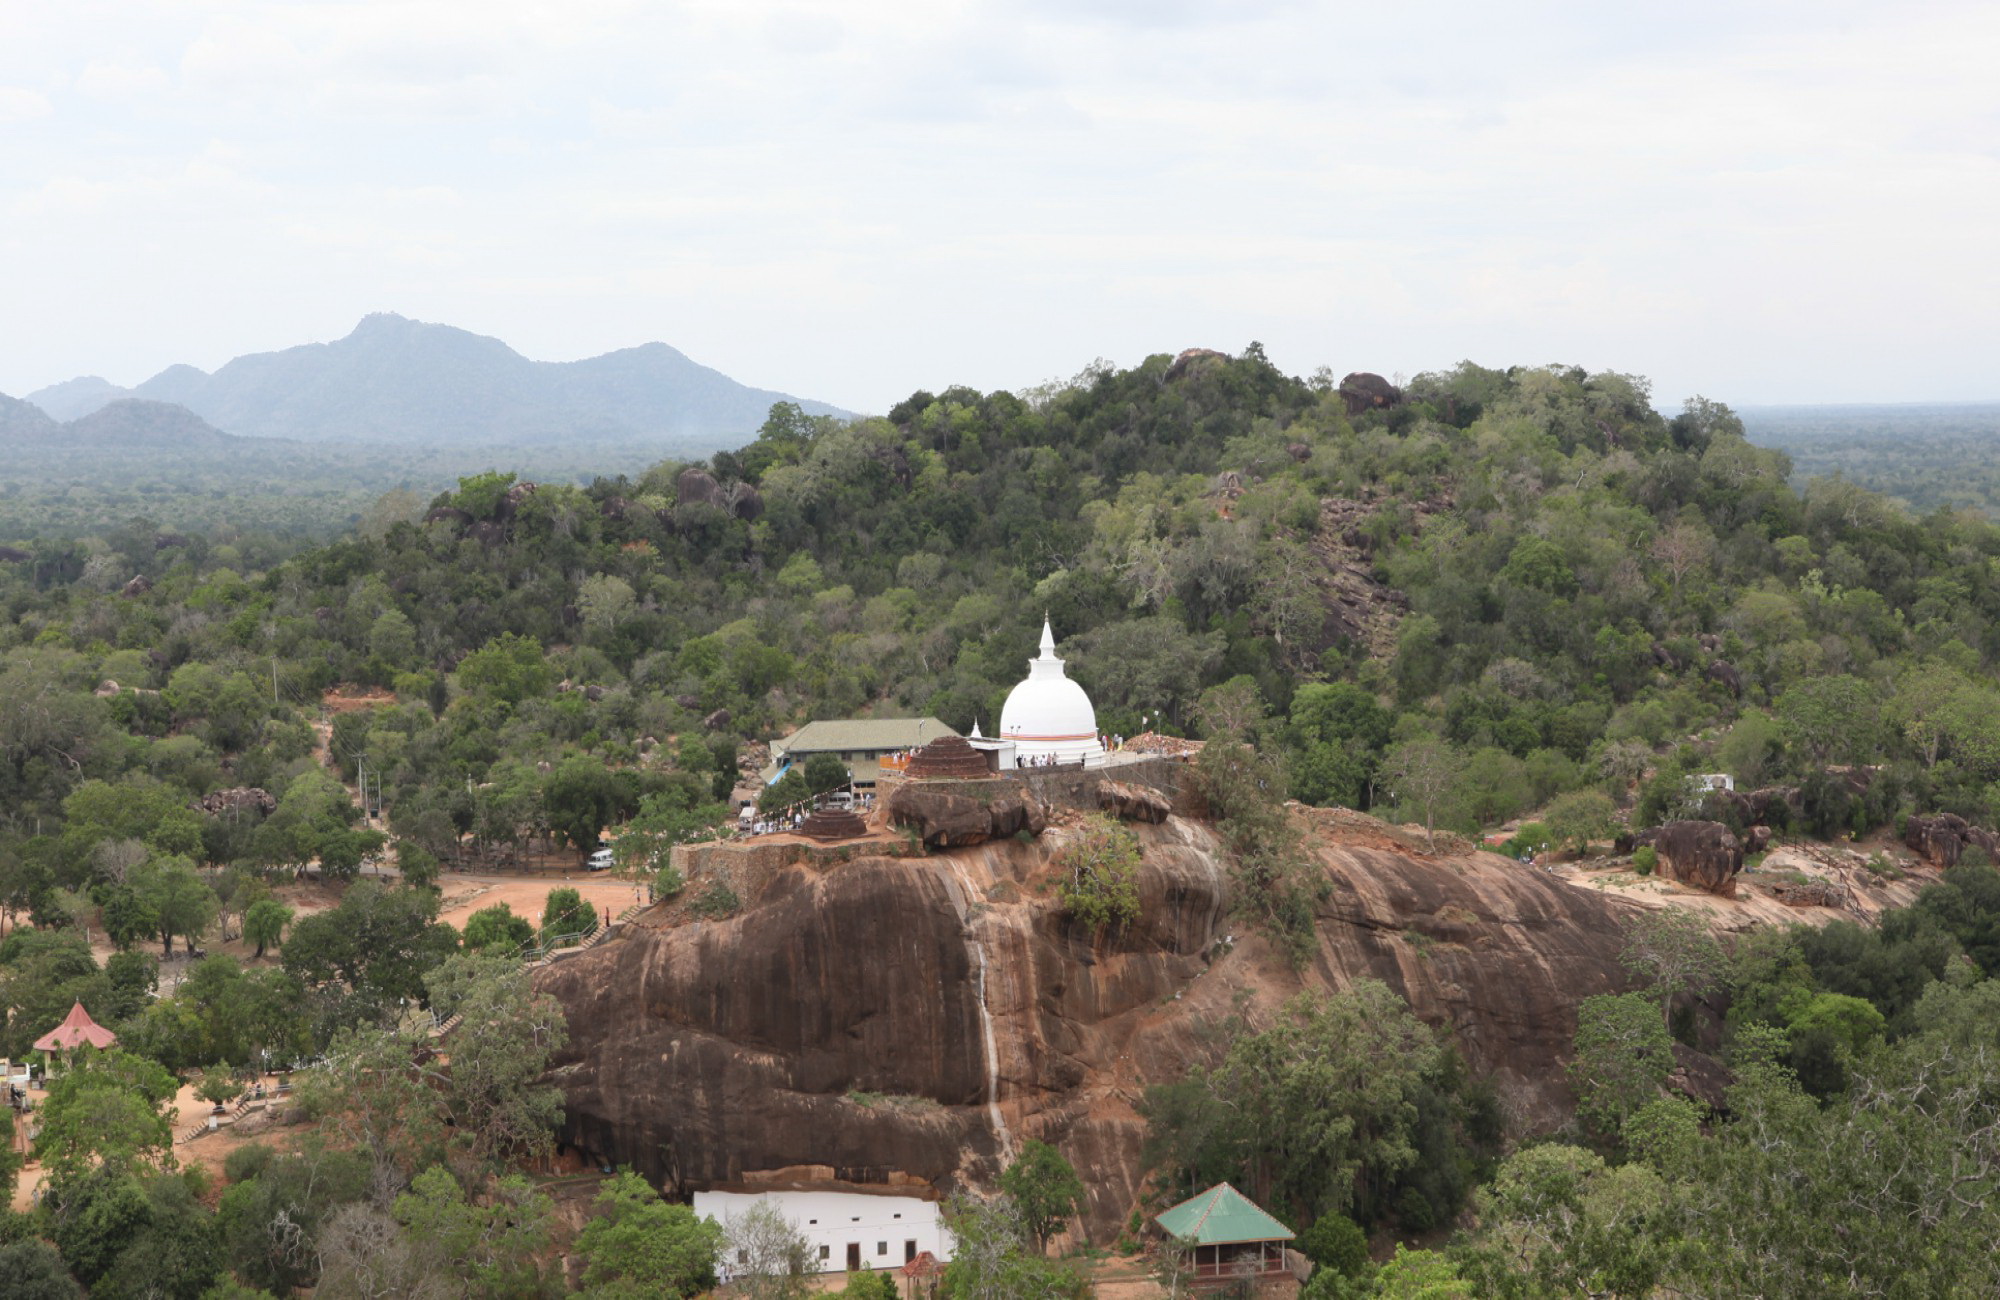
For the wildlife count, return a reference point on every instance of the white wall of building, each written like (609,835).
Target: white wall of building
(887,1230)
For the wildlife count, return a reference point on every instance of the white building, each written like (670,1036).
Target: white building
(848,1230)
(1048,718)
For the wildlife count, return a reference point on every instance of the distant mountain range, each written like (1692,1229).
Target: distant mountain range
(403,381)
(127,422)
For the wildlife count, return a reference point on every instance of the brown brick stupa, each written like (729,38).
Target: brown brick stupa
(833,824)
(948,758)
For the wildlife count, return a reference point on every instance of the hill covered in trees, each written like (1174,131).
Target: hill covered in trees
(1560,587)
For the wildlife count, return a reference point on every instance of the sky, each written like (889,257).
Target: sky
(1758,202)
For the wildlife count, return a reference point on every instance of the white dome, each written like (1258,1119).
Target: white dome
(1049,715)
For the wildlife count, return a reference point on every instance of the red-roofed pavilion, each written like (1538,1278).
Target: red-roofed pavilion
(76,1030)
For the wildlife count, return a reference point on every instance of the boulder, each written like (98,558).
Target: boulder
(1943,838)
(241,799)
(947,819)
(1017,811)
(717,720)
(1725,673)
(1133,803)
(698,485)
(1194,361)
(1807,893)
(1703,855)
(1756,839)
(15,555)
(449,515)
(942,819)
(1362,391)
(745,502)
(139,586)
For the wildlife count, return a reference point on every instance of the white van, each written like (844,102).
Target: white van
(602,860)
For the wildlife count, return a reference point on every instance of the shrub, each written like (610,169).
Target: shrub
(1100,885)
(246,1162)
(1336,1243)
(1644,859)
(715,902)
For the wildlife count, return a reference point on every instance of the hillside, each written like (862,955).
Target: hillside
(401,381)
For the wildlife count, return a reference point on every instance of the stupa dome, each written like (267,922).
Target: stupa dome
(1048,714)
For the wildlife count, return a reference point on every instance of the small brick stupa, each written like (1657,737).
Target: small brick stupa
(948,758)
(833,824)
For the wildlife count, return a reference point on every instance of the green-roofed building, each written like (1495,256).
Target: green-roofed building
(1228,1238)
(861,743)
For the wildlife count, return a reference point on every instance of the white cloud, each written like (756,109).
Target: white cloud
(19,105)
(104,80)
(853,198)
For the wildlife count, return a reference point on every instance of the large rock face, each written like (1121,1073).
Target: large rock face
(1706,855)
(924,1015)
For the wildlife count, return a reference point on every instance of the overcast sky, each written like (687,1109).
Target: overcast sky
(1761,202)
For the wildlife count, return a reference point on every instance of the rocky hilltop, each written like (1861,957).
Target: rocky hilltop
(880,1014)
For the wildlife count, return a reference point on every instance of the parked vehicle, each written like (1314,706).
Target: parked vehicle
(602,860)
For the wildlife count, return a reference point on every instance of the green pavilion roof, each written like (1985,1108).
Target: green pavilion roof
(1219,1216)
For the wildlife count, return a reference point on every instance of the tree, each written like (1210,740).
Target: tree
(1044,1188)
(32,1269)
(787,790)
(497,929)
(1555,1214)
(579,801)
(372,950)
(1672,952)
(769,1258)
(1306,1114)
(1623,1057)
(500,1109)
(491,1249)
(264,923)
(642,1246)
(175,1255)
(1580,817)
(104,1111)
(1100,884)
(510,668)
(1831,719)
(1422,776)
(178,900)
(824,772)
(1335,1243)
(565,914)
(993,1258)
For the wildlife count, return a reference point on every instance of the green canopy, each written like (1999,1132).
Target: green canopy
(1219,1216)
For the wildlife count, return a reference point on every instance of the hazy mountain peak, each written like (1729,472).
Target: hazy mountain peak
(395,379)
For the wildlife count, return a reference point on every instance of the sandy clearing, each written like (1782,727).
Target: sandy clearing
(464,895)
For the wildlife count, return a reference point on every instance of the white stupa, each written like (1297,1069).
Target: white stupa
(1048,717)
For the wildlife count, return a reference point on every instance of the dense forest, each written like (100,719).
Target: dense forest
(1492,595)
(1924,457)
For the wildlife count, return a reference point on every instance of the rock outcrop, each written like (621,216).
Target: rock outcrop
(1363,391)
(947,818)
(922,1016)
(1134,803)
(1703,855)
(1942,839)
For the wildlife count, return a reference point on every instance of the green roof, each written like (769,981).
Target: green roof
(1219,1216)
(845,735)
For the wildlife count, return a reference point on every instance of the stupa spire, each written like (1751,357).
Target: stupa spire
(1048,639)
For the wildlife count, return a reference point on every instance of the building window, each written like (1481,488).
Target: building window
(881,1247)
(825,1252)
(898,1216)
(743,1257)
(812,1221)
